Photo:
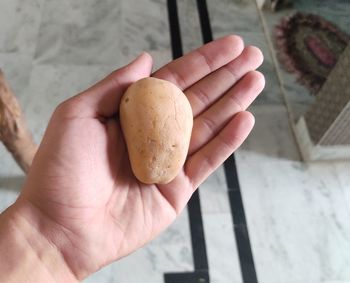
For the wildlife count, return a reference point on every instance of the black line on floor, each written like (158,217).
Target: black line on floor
(239,222)
(200,259)
(175,34)
(187,277)
(234,192)
(199,251)
(204,20)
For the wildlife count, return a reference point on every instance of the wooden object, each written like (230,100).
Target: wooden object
(13,131)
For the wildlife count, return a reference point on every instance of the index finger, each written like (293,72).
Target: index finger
(190,68)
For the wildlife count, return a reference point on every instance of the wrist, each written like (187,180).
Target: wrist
(26,254)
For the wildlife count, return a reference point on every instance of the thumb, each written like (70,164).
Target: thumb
(103,98)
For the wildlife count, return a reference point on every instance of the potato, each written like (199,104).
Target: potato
(156,120)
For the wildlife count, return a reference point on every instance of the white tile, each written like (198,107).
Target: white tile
(80,32)
(213,193)
(233,16)
(17,68)
(8,197)
(51,85)
(19,23)
(298,96)
(221,248)
(242,18)
(109,33)
(8,169)
(144,27)
(342,170)
(297,214)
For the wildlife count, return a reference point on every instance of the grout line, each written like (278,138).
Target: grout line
(279,77)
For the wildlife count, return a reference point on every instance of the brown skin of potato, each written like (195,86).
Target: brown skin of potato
(156,119)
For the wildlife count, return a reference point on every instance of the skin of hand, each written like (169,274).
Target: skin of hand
(80,195)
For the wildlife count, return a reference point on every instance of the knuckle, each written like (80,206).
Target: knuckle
(66,108)
(208,123)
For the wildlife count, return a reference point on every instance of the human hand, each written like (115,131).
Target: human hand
(80,191)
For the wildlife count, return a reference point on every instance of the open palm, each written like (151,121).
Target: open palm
(81,182)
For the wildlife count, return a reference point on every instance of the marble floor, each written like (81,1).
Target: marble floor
(297,214)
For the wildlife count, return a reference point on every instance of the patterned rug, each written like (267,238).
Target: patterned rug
(309,46)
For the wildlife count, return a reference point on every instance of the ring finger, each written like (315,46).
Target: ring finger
(237,99)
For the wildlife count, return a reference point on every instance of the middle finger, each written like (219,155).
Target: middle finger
(208,90)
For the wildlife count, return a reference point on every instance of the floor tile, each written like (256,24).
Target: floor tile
(221,247)
(242,18)
(19,24)
(214,194)
(52,84)
(296,213)
(89,33)
(238,16)
(17,68)
(144,27)
(8,197)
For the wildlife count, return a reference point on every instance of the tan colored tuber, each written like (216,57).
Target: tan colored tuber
(156,119)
